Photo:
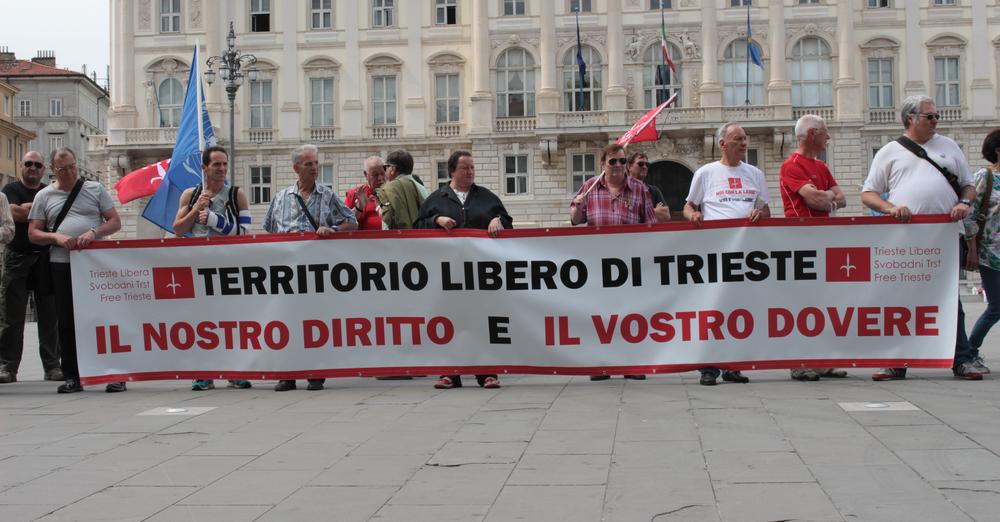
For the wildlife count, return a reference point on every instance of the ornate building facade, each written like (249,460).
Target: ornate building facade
(500,78)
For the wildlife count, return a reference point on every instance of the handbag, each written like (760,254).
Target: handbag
(984,211)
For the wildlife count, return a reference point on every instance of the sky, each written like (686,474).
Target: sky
(77,30)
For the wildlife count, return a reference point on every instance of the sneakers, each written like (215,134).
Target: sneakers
(7,376)
(315,384)
(833,372)
(805,374)
(599,377)
(55,374)
(240,384)
(980,365)
(70,386)
(202,385)
(636,377)
(284,386)
(115,387)
(707,379)
(889,374)
(491,383)
(734,376)
(444,383)
(967,371)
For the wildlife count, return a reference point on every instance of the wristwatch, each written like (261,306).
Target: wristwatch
(966,202)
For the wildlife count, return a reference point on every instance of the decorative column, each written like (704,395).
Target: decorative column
(481,113)
(122,113)
(215,34)
(616,96)
(981,61)
(352,79)
(289,121)
(711,90)
(548,95)
(412,84)
(847,89)
(915,53)
(779,89)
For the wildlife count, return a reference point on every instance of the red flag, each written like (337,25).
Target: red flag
(645,128)
(142,182)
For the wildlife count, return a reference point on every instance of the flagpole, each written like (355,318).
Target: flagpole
(579,53)
(663,57)
(749,43)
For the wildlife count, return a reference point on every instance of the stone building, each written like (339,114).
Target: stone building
(499,77)
(63,108)
(14,139)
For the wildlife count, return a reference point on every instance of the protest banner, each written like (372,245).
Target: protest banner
(668,297)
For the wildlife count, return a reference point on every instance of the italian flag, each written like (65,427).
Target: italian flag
(663,46)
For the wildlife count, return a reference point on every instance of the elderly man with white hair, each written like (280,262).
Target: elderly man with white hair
(809,190)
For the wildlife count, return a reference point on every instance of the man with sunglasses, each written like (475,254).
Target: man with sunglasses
(25,269)
(915,186)
(638,168)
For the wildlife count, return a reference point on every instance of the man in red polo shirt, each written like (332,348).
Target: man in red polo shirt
(809,190)
(362,198)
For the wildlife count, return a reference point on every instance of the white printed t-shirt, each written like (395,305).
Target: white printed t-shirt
(725,192)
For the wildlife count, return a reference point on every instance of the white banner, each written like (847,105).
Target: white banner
(782,293)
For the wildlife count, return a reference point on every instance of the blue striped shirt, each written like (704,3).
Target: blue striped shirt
(285,214)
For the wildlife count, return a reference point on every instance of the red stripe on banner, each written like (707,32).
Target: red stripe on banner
(519,370)
(522,233)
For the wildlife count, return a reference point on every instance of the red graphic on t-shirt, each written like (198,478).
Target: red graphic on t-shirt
(735,183)
(848,264)
(174,282)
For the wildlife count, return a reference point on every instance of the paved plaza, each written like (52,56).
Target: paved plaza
(545,448)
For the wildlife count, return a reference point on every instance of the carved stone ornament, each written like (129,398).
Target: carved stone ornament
(196,14)
(629,91)
(694,90)
(145,15)
(691,51)
(169,66)
(632,51)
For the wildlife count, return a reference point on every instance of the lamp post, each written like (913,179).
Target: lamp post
(230,64)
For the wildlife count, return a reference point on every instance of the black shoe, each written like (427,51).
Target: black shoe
(707,379)
(70,386)
(115,387)
(734,376)
(599,377)
(7,376)
(315,384)
(636,377)
(284,386)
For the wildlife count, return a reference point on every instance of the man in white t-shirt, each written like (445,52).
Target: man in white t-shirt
(727,189)
(915,186)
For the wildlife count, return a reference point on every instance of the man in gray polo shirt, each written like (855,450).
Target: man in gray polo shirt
(90,217)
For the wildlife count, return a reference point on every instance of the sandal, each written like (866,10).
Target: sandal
(491,383)
(444,383)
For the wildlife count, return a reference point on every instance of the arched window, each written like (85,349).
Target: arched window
(659,83)
(734,76)
(515,84)
(812,73)
(170,99)
(585,96)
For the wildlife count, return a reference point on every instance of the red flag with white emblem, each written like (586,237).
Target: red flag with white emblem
(645,128)
(141,183)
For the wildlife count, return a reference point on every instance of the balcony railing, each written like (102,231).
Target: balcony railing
(823,112)
(748,113)
(385,132)
(950,113)
(581,119)
(447,130)
(670,115)
(515,124)
(321,134)
(260,135)
(97,142)
(886,115)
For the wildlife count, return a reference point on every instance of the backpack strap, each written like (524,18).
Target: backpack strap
(194,196)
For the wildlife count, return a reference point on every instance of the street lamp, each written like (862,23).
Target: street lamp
(230,63)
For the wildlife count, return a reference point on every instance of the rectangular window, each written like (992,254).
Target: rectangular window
(442,174)
(260,185)
(260,16)
(170,16)
(946,88)
(446,98)
(322,102)
(752,157)
(584,167)
(384,100)
(515,174)
(803,2)
(739,3)
(880,83)
(877,4)
(446,12)
(382,13)
(659,4)
(580,6)
(10,148)
(322,14)
(55,106)
(260,104)
(326,176)
(513,7)
(944,2)
(55,141)
(24,108)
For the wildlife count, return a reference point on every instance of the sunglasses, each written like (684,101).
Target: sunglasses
(30,164)
(642,164)
(931,115)
(619,161)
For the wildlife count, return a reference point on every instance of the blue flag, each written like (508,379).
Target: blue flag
(752,50)
(185,163)
(582,64)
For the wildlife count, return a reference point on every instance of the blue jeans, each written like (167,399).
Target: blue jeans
(991,284)
(964,351)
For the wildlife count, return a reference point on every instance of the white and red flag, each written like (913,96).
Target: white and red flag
(645,128)
(141,183)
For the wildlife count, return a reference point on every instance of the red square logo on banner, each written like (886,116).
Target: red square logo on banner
(849,264)
(735,183)
(174,282)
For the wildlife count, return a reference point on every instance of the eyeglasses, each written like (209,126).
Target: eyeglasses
(65,168)
(620,161)
(642,164)
(931,116)
(33,164)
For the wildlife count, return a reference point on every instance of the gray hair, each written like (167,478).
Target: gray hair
(301,149)
(911,105)
(59,152)
(370,162)
(723,131)
(806,123)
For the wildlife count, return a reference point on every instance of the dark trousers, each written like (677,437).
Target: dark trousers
(18,269)
(62,283)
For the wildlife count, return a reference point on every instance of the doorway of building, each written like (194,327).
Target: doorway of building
(674,179)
